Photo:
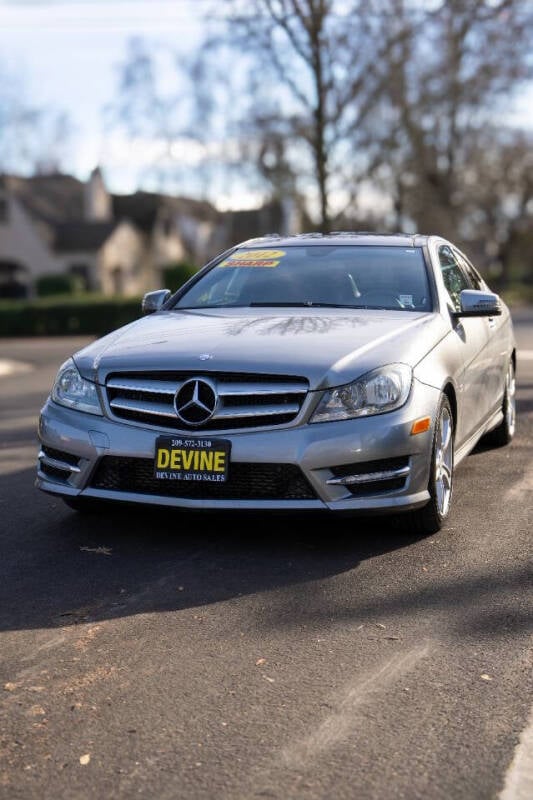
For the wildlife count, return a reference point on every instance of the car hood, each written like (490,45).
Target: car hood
(329,347)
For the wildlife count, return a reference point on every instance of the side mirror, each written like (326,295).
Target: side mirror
(154,301)
(478,304)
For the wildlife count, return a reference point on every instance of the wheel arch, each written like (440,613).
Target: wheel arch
(449,392)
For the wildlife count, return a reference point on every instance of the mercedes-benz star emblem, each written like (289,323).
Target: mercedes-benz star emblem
(196,401)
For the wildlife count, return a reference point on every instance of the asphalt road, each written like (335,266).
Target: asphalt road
(168,655)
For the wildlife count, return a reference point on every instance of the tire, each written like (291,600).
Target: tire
(505,431)
(431,517)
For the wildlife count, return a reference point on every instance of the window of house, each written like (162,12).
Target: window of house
(14,280)
(455,280)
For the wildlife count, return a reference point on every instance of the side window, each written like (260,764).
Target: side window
(474,276)
(453,276)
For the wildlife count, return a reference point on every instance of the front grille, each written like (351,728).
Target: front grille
(244,400)
(245,481)
(370,467)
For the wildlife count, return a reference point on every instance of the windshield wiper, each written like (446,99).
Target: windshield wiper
(214,305)
(277,304)
(299,304)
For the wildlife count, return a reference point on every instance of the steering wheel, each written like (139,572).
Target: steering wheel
(380,297)
(228,298)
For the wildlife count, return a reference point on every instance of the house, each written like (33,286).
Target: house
(115,244)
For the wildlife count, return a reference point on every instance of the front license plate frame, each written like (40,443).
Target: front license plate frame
(192,458)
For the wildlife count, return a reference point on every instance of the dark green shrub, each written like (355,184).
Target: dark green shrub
(59,316)
(50,285)
(175,275)
(518,294)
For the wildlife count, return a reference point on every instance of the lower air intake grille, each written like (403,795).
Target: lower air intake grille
(366,468)
(60,455)
(245,481)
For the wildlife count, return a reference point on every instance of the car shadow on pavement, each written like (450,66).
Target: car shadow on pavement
(60,567)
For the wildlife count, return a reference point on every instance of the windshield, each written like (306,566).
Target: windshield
(320,275)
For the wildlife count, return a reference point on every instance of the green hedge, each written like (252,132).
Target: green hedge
(175,275)
(518,295)
(50,285)
(59,316)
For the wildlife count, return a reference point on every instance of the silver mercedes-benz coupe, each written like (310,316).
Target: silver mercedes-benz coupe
(348,372)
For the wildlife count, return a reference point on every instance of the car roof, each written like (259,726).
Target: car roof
(339,238)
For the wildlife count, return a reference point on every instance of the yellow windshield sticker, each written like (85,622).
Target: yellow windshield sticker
(254,258)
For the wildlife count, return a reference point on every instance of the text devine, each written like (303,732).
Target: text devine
(195,460)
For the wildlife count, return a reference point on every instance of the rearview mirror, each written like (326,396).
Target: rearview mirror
(478,304)
(154,301)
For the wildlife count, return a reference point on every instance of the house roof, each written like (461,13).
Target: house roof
(56,203)
(242,225)
(59,198)
(87,236)
(142,208)
(53,198)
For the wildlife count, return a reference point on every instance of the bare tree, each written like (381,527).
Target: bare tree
(276,96)
(32,138)
(140,105)
(168,118)
(448,80)
(316,69)
(498,203)
(322,100)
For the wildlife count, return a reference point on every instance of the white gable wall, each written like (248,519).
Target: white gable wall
(123,263)
(21,243)
(167,245)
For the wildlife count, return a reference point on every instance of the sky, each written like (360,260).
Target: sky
(66,53)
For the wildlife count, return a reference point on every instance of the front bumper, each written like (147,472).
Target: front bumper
(75,443)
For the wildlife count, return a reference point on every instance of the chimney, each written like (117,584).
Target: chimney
(97,200)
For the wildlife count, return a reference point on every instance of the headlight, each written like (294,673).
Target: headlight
(377,392)
(71,390)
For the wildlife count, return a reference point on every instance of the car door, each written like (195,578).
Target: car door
(472,337)
(497,345)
